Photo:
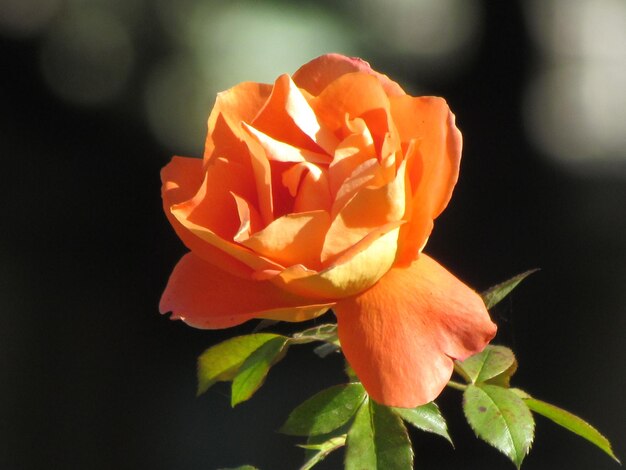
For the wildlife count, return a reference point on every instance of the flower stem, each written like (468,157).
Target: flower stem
(457,385)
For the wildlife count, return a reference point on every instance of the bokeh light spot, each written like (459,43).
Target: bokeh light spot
(23,18)
(433,33)
(577,114)
(178,98)
(87,57)
(219,46)
(575,106)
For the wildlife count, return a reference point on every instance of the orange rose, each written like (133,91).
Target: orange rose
(320,192)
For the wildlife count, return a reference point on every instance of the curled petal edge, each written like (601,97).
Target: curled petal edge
(204,296)
(353,271)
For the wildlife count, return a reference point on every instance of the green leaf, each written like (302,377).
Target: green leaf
(500,418)
(427,418)
(495,364)
(253,371)
(378,440)
(325,411)
(496,293)
(321,450)
(222,361)
(572,423)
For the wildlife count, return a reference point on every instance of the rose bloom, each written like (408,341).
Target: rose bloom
(320,192)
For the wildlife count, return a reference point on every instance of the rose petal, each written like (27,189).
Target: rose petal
(204,296)
(212,206)
(353,94)
(240,103)
(181,179)
(351,152)
(212,214)
(288,117)
(370,207)
(383,132)
(317,74)
(433,169)
(263,183)
(249,219)
(240,253)
(401,335)
(308,183)
(292,239)
(282,152)
(355,270)
(227,139)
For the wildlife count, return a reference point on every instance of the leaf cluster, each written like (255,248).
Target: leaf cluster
(375,436)
(246,360)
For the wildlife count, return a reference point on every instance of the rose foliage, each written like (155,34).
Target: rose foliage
(375,436)
(320,192)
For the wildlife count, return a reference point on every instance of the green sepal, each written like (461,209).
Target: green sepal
(496,293)
(222,361)
(321,450)
(494,365)
(378,440)
(426,418)
(325,411)
(501,418)
(568,421)
(253,371)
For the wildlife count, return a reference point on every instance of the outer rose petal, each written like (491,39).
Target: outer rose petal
(317,74)
(433,161)
(214,207)
(401,335)
(181,179)
(204,296)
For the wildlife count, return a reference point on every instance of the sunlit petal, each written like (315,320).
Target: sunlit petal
(206,297)
(402,335)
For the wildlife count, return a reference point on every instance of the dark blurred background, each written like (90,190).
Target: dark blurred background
(96,95)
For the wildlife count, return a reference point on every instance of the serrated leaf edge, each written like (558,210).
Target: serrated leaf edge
(445,434)
(285,430)
(521,457)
